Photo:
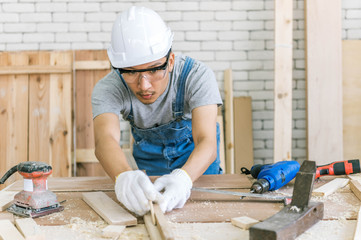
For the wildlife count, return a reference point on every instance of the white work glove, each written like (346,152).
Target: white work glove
(134,190)
(177,188)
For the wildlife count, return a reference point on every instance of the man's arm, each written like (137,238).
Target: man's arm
(204,132)
(107,149)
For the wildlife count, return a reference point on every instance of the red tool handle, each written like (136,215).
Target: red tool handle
(339,168)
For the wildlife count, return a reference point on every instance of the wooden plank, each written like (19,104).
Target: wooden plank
(7,216)
(330,187)
(324,80)
(14,109)
(229,125)
(243,134)
(34,69)
(351,75)
(163,224)
(29,228)
(355,187)
(8,231)
(92,65)
(283,80)
(109,210)
(85,155)
(6,199)
(357,235)
(50,114)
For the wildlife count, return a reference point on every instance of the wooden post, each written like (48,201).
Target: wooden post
(228,107)
(324,80)
(283,81)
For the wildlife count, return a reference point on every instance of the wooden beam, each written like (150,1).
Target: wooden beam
(229,125)
(91,65)
(283,80)
(330,187)
(6,199)
(9,232)
(109,210)
(34,69)
(324,80)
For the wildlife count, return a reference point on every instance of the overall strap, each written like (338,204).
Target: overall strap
(179,102)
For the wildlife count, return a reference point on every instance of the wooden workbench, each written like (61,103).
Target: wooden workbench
(205,216)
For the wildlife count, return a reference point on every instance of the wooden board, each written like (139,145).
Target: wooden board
(14,90)
(6,199)
(355,187)
(228,119)
(90,67)
(162,224)
(50,125)
(243,133)
(357,235)
(330,187)
(283,80)
(351,79)
(29,228)
(109,210)
(324,80)
(8,231)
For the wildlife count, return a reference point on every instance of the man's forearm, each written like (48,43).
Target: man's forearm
(201,158)
(112,158)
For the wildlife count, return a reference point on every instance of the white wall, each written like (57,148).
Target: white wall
(223,34)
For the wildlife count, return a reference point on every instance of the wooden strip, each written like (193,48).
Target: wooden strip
(8,231)
(330,187)
(357,235)
(34,69)
(355,187)
(14,92)
(91,65)
(6,199)
(109,210)
(229,126)
(112,231)
(7,216)
(29,228)
(151,228)
(283,80)
(162,224)
(324,80)
(351,75)
(243,134)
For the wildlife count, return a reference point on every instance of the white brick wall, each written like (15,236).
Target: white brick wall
(237,34)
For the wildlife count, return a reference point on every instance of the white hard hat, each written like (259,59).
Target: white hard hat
(139,36)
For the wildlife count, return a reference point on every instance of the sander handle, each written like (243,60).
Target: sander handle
(8,174)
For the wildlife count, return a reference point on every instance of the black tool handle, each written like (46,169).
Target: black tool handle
(8,174)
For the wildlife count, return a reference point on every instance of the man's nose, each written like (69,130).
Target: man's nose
(144,82)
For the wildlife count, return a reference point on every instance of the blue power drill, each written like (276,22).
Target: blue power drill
(272,176)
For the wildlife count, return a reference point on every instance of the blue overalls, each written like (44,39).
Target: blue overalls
(161,149)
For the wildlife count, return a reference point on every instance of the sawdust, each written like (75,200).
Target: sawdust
(335,230)
(78,229)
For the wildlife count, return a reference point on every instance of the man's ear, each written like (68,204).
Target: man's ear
(171,61)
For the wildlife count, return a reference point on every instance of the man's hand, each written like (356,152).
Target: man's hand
(177,189)
(134,190)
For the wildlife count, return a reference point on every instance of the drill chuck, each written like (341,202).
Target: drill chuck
(260,186)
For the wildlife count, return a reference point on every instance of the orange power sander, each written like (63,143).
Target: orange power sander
(35,200)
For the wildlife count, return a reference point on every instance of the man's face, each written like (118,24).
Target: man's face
(147,86)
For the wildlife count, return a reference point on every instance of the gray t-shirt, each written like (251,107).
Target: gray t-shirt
(111,96)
